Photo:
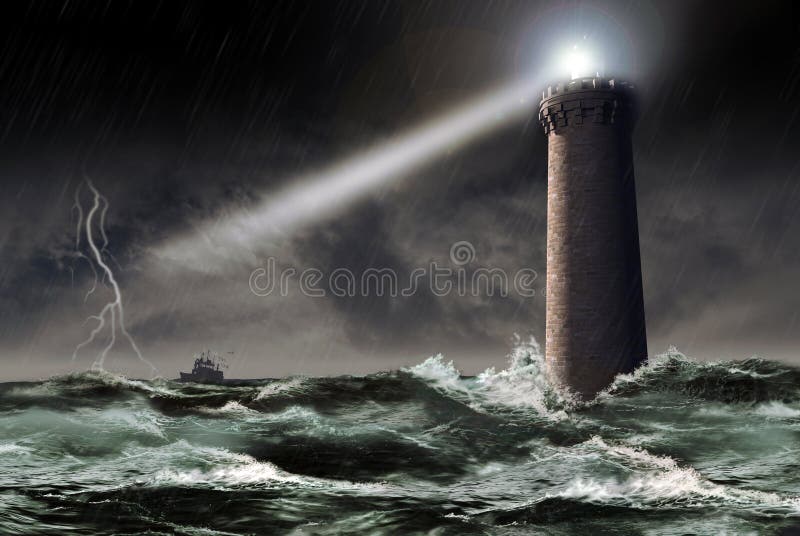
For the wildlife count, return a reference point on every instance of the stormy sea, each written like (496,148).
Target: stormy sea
(678,447)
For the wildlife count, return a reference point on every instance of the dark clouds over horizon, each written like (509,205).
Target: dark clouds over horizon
(183,113)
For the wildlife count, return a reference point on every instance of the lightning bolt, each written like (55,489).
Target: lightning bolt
(112,314)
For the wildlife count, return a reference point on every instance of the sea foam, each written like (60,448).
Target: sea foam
(523,385)
(657,481)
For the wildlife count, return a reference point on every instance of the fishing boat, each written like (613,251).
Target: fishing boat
(207,369)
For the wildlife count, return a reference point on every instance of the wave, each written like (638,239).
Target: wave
(777,410)
(91,388)
(13,449)
(522,386)
(424,446)
(110,381)
(437,372)
(230,408)
(224,469)
(659,481)
(750,380)
(525,385)
(278,387)
(618,479)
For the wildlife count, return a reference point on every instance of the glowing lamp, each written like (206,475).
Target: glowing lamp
(580,63)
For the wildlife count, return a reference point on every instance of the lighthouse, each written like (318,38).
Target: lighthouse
(595,326)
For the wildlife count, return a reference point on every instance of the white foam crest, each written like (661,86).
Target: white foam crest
(522,385)
(281,386)
(777,410)
(232,407)
(751,373)
(33,390)
(247,473)
(294,413)
(111,379)
(660,480)
(225,469)
(635,456)
(673,356)
(437,371)
(717,410)
(10,449)
(653,364)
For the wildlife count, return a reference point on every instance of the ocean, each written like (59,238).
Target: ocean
(678,447)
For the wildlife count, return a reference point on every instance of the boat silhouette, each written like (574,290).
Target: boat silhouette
(207,369)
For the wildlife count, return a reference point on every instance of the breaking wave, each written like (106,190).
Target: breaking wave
(523,385)
(751,380)
(660,481)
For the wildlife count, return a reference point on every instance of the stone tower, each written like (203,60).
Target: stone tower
(595,311)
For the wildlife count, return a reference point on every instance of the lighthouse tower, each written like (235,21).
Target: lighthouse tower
(595,311)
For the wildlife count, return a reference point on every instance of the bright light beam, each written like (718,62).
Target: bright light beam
(319,195)
(580,62)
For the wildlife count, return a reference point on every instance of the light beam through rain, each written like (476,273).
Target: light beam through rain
(319,195)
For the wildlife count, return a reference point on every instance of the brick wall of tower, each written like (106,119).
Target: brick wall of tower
(595,312)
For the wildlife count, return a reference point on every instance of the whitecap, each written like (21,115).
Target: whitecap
(7,449)
(777,410)
(232,407)
(523,385)
(229,470)
(281,386)
(436,370)
(660,480)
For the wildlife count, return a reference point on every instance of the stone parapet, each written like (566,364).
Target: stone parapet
(586,100)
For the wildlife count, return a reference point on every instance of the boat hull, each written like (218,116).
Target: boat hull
(212,376)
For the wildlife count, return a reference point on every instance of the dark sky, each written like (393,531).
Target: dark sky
(182,114)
